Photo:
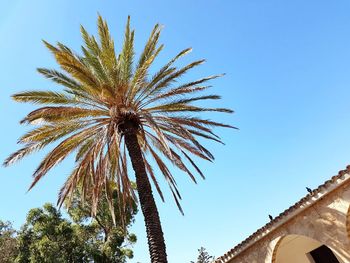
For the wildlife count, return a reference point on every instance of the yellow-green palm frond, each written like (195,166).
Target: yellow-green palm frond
(60,113)
(44,97)
(60,78)
(104,93)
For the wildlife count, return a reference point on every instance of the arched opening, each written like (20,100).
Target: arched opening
(302,249)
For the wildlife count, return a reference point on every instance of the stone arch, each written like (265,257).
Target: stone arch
(275,249)
(325,224)
(348,222)
(296,248)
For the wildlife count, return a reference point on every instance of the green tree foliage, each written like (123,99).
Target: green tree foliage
(8,243)
(112,240)
(203,256)
(48,237)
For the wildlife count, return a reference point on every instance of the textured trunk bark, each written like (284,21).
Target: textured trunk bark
(155,235)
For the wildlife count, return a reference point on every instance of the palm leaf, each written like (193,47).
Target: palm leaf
(44,97)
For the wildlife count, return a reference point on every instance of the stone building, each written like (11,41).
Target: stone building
(314,230)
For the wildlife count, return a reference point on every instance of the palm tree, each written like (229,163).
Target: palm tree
(109,107)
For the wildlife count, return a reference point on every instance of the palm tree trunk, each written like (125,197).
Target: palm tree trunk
(155,235)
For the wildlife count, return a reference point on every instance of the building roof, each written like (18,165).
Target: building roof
(289,213)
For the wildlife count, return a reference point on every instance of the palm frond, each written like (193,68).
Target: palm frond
(166,70)
(60,152)
(90,42)
(44,97)
(58,114)
(127,54)
(60,78)
(21,153)
(107,54)
(171,78)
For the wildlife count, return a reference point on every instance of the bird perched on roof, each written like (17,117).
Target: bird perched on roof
(309,190)
(271,217)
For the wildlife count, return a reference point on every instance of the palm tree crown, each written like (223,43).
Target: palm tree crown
(107,96)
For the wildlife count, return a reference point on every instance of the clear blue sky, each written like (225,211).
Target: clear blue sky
(288,79)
